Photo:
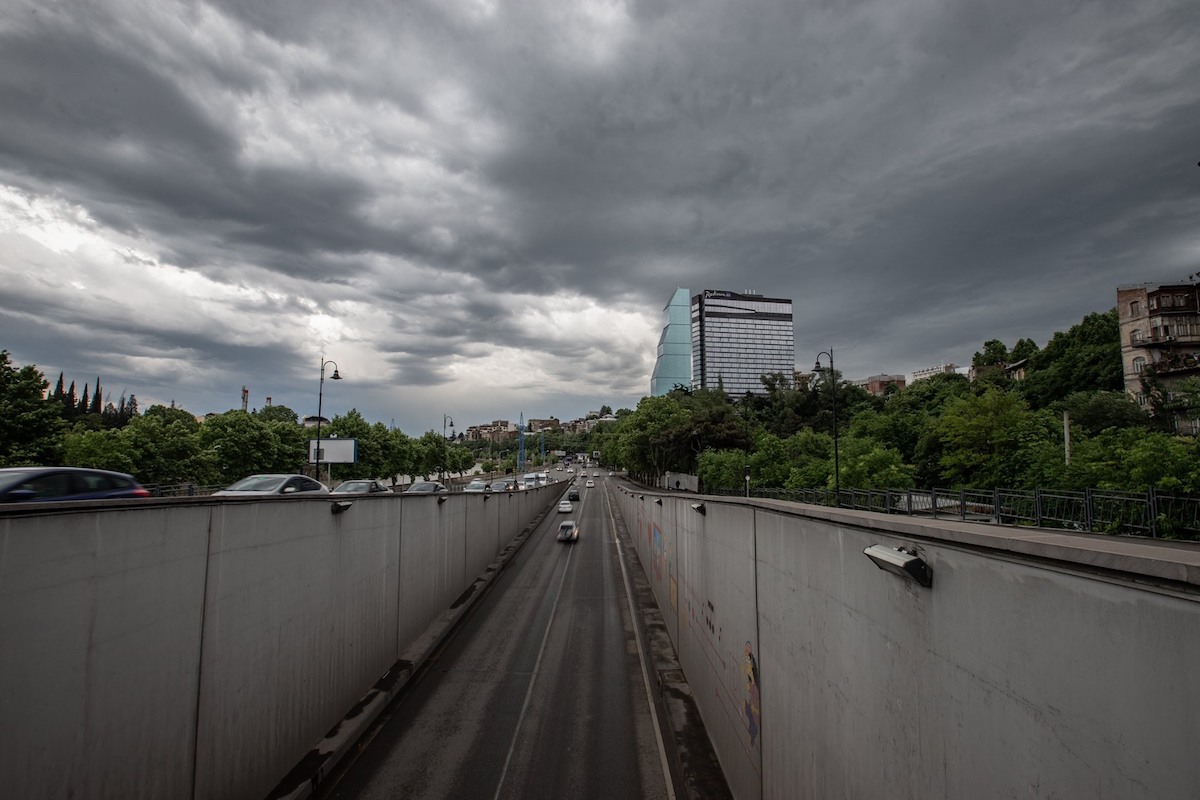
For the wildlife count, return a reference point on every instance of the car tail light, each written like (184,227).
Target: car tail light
(141,491)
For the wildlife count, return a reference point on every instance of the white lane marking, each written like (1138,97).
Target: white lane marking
(533,678)
(662,749)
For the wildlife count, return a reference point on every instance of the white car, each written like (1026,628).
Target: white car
(591,484)
(568,531)
(565,507)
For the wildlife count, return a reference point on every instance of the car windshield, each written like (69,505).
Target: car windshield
(354,486)
(259,483)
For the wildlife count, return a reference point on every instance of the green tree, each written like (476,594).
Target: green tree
(31,425)
(655,438)
(166,450)
(241,445)
(98,449)
(979,437)
(1085,358)
(278,414)
(868,464)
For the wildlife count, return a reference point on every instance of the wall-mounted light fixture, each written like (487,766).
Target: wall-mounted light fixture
(699,508)
(641,497)
(340,506)
(900,561)
(658,501)
(441,500)
(487,497)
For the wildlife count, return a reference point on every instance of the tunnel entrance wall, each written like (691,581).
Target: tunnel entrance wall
(199,648)
(1038,664)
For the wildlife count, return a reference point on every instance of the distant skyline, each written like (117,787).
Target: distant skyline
(480,209)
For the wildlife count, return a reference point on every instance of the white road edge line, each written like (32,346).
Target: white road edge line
(662,749)
(533,678)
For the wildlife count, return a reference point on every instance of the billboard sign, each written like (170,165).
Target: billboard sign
(334,451)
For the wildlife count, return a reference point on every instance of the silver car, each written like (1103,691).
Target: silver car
(274,486)
(363,487)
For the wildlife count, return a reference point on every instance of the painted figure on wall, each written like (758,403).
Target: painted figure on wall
(752,706)
(659,556)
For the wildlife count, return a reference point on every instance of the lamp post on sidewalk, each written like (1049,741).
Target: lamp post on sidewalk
(320,398)
(837,477)
(445,446)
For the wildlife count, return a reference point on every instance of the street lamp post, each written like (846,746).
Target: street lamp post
(320,398)
(837,477)
(445,445)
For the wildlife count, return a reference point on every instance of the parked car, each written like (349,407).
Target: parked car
(426,487)
(363,487)
(273,486)
(565,507)
(591,484)
(573,493)
(25,484)
(568,531)
(477,486)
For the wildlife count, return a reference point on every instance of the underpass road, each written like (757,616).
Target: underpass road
(539,694)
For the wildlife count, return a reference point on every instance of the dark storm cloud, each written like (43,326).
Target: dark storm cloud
(918,177)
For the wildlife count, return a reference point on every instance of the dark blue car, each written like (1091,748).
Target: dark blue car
(22,484)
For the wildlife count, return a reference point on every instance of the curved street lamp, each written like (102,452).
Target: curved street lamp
(320,397)
(837,478)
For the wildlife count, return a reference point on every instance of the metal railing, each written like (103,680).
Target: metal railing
(1091,511)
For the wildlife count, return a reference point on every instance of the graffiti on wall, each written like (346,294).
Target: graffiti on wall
(752,705)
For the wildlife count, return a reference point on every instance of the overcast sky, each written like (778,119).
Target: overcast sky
(480,208)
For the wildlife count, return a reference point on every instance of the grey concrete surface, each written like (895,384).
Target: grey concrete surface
(1037,665)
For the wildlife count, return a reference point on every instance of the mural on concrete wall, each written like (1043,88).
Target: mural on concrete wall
(657,551)
(752,705)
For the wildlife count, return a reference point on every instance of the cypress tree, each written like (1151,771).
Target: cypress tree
(96,398)
(84,402)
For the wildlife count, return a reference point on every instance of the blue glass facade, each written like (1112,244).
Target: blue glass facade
(673,366)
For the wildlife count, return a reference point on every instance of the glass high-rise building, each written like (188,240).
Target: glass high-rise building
(737,338)
(673,366)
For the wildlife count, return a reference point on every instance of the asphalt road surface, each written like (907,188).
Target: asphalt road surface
(540,693)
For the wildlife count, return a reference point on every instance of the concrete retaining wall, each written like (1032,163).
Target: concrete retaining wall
(1037,665)
(199,648)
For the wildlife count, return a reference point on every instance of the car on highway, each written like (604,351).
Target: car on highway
(40,484)
(477,486)
(363,486)
(565,507)
(505,486)
(273,485)
(595,474)
(568,531)
(426,487)
(573,493)
(591,484)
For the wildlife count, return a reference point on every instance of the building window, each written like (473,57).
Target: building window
(1141,398)
(1135,308)
(1166,301)
(1180,300)
(1139,364)
(1135,336)
(1153,303)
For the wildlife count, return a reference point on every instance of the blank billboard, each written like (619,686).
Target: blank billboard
(334,451)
